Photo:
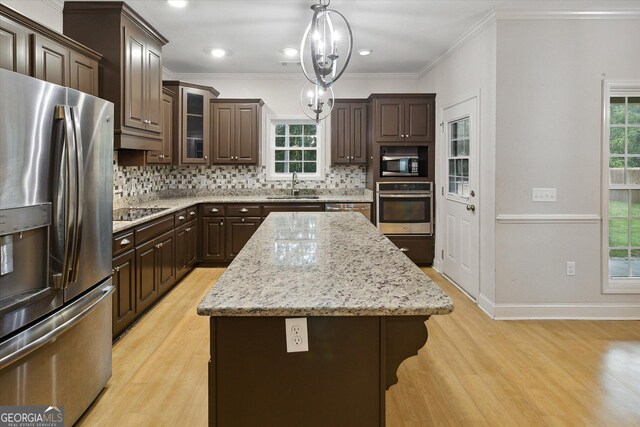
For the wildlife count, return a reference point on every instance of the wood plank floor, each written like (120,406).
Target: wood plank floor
(473,370)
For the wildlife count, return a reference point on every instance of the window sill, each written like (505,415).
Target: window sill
(622,286)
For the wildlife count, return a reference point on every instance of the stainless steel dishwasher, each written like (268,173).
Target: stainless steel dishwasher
(363,208)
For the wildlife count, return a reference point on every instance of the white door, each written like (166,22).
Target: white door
(461,243)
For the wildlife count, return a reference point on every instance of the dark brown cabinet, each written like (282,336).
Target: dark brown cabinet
(403,118)
(186,248)
(132,67)
(349,132)
(235,127)
(166,262)
(164,156)
(191,122)
(239,230)
(418,248)
(29,48)
(213,239)
(155,262)
(124,296)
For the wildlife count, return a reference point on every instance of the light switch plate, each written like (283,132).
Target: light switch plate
(543,195)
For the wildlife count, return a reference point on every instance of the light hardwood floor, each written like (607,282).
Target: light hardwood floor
(472,371)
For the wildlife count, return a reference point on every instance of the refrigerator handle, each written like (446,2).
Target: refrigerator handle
(79,178)
(66,203)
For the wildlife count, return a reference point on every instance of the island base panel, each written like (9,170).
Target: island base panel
(340,381)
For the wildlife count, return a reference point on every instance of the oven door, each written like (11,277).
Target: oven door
(405,213)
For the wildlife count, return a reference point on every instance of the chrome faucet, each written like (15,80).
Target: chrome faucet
(294,181)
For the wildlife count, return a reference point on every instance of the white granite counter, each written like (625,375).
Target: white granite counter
(174,204)
(322,264)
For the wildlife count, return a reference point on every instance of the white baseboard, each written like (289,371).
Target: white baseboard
(436,264)
(586,311)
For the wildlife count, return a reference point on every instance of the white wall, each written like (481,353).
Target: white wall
(549,108)
(470,68)
(45,12)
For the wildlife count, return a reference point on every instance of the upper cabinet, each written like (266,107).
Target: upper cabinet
(403,118)
(349,132)
(235,125)
(191,122)
(132,67)
(29,48)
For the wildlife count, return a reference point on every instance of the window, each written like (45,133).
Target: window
(294,146)
(622,213)
(458,158)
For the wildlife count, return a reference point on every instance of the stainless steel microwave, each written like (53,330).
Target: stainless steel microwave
(402,161)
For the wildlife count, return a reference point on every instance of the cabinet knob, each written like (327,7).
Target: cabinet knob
(124,242)
(404,249)
(188,229)
(206,158)
(214,210)
(192,213)
(181,217)
(242,219)
(244,210)
(221,222)
(117,269)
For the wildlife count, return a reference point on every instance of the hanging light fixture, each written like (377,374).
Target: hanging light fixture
(325,52)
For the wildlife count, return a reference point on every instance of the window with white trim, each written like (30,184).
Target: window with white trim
(622,204)
(458,158)
(294,146)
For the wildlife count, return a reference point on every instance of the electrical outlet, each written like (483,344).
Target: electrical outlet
(571,268)
(296,333)
(543,195)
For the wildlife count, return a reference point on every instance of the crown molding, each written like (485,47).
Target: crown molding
(468,35)
(568,14)
(285,76)
(56,4)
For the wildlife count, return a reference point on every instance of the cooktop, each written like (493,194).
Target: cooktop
(131,214)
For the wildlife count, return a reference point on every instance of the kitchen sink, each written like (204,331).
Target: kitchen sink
(292,197)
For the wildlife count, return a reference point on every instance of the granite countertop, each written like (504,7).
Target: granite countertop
(322,264)
(174,203)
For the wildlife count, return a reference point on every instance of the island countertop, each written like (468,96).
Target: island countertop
(322,264)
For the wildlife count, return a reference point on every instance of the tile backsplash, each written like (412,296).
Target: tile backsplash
(136,180)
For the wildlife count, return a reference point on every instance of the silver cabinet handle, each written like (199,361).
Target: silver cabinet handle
(205,157)
(117,269)
(242,219)
(124,242)
(188,229)
(244,210)
(161,156)
(404,249)
(221,222)
(181,217)
(192,213)
(214,210)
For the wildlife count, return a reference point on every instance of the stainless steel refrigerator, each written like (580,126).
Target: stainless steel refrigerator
(56,150)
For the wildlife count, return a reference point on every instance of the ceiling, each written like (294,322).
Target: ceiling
(405,35)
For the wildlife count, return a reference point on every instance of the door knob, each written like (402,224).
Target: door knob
(471,208)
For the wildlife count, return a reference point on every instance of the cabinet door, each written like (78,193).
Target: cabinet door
(124,296)
(389,119)
(182,236)
(164,156)
(83,74)
(14,46)
(50,60)
(195,127)
(358,133)
(153,88)
(213,239)
(418,115)
(134,78)
(192,245)
(246,133)
(239,231)
(223,130)
(166,262)
(340,134)
(147,275)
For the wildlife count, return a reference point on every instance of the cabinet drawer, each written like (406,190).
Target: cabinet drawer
(243,210)
(152,229)
(122,242)
(292,207)
(209,209)
(418,248)
(192,213)
(180,218)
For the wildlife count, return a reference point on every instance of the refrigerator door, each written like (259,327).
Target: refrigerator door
(27,133)
(91,250)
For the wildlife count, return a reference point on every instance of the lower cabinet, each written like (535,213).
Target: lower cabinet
(186,248)
(166,262)
(124,296)
(418,248)
(155,262)
(239,231)
(213,239)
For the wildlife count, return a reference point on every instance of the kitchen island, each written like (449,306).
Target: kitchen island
(365,305)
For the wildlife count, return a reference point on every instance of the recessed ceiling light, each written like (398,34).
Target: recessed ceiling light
(177,3)
(364,52)
(218,53)
(289,51)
